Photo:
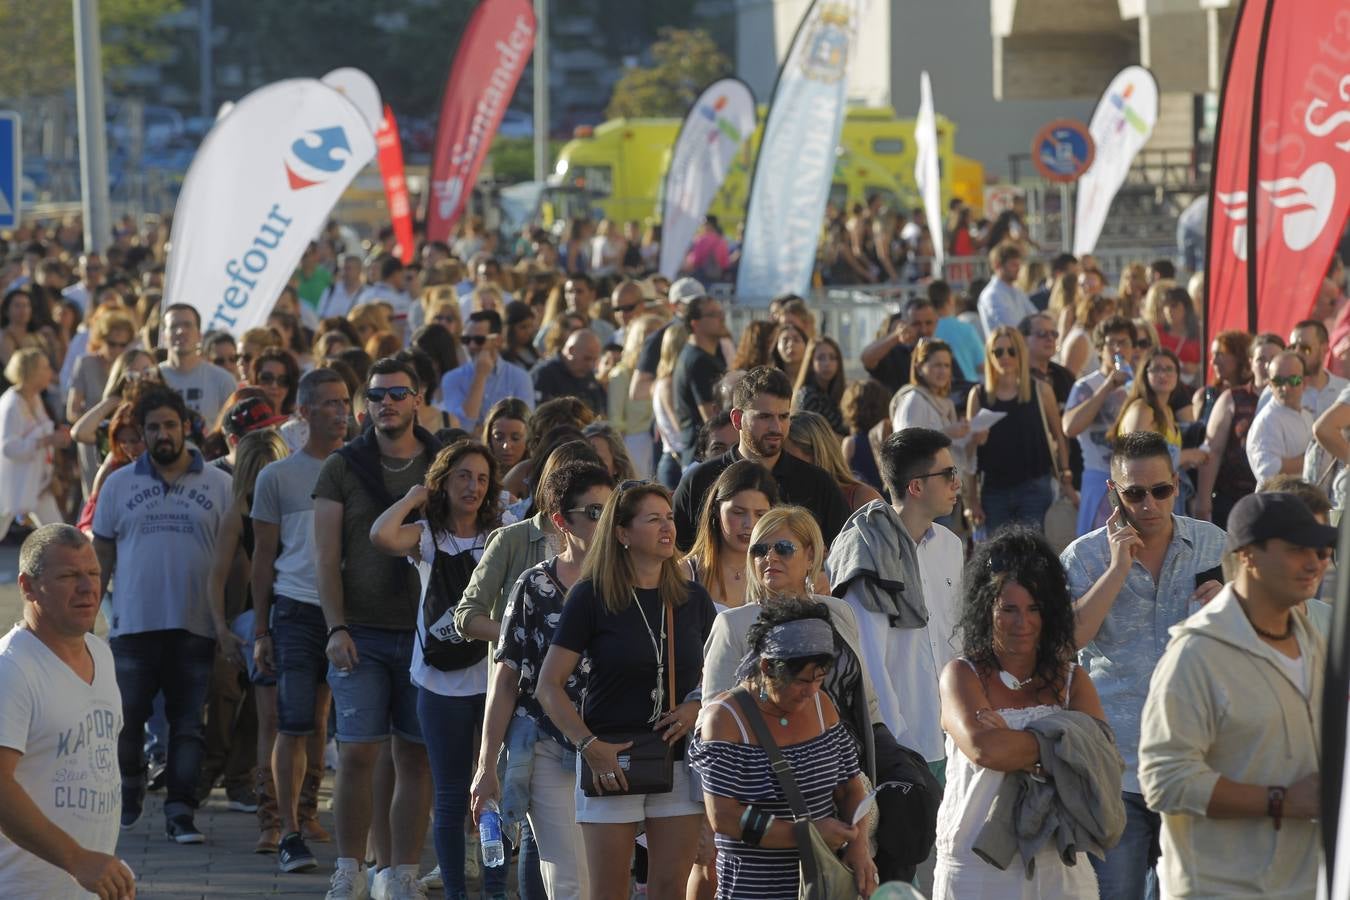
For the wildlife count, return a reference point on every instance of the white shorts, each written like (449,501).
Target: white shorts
(638,807)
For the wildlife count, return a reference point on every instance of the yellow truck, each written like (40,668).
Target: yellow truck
(622,163)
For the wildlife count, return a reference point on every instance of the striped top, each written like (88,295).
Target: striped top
(741,772)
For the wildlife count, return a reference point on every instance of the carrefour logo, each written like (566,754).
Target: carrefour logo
(721,124)
(1121,102)
(316,156)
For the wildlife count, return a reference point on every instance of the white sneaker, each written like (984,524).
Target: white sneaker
(380,884)
(432,880)
(348,883)
(405,886)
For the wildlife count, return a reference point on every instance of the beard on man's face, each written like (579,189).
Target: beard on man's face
(166,450)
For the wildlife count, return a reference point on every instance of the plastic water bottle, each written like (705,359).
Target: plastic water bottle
(1125,367)
(490,835)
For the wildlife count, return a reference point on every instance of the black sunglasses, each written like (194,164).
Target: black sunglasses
(951,473)
(593,511)
(273,378)
(1000,352)
(473,339)
(1137,494)
(397,394)
(626,309)
(785,549)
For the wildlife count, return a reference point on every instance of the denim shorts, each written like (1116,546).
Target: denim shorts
(299,638)
(378,697)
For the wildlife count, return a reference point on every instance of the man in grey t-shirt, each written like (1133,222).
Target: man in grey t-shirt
(204,387)
(290,643)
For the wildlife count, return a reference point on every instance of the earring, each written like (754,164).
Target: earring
(763,693)
(625,546)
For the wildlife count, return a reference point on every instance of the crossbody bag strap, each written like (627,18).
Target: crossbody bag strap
(1050,442)
(782,770)
(670,653)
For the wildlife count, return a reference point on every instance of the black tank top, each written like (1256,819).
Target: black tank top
(1016,451)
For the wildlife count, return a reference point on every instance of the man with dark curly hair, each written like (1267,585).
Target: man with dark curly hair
(1131,581)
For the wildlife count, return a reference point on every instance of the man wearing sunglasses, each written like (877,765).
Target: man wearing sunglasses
(1093,405)
(1131,581)
(469,391)
(370,604)
(1282,430)
(905,635)
(628,304)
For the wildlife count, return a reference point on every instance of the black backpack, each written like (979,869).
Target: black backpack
(443,647)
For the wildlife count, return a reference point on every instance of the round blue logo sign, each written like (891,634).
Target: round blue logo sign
(1063,150)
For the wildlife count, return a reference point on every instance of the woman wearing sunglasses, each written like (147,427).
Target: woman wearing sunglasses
(630,613)
(786,554)
(573,497)
(1017,456)
(742,495)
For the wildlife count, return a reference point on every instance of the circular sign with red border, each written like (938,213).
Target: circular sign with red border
(1063,150)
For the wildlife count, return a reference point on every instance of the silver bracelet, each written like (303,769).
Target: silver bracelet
(586,742)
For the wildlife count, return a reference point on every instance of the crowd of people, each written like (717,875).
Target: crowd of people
(513,542)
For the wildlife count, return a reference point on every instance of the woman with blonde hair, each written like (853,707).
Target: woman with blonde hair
(632,613)
(632,419)
(1130,293)
(369,319)
(668,468)
(1018,457)
(787,552)
(1075,354)
(234,625)
(926,401)
(1063,301)
(251,345)
(811,439)
(110,334)
(28,438)
(609,446)
(1147,409)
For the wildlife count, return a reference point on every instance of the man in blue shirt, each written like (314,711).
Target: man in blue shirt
(966,343)
(1131,581)
(1002,302)
(468,392)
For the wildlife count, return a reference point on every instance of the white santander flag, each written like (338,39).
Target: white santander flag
(260,187)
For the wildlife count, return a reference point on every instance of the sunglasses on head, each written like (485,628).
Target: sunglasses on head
(632,483)
(1287,380)
(1000,352)
(592,511)
(397,394)
(785,549)
(1136,493)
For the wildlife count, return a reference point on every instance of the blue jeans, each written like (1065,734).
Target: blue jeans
(527,866)
(1128,871)
(178,663)
(668,471)
(1024,504)
(448,727)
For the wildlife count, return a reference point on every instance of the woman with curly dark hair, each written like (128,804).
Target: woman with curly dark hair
(1017,665)
(460,501)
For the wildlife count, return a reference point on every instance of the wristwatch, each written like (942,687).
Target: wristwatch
(1275,805)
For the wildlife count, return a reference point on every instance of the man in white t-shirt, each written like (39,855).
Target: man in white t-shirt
(203,386)
(1281,432)
(60,717)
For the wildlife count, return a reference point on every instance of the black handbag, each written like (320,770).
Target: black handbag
(908,797)
(443,647)
(823,876)
(649,765)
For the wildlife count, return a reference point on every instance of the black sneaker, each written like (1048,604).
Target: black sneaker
(133,803)
(182,830)
(293,855)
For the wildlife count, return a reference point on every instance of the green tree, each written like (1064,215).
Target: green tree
(683,64)
(37,41)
